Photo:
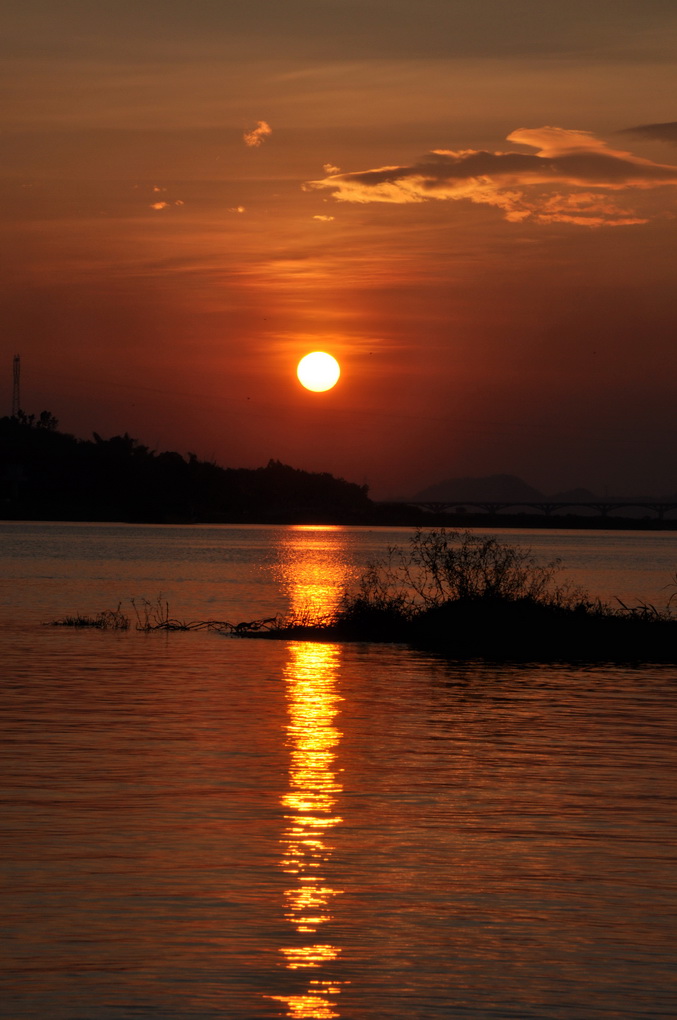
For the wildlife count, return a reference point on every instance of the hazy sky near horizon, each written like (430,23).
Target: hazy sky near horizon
(472,206)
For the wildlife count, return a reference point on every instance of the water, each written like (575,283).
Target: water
(196,826)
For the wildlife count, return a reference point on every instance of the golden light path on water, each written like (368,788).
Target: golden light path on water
(311,802)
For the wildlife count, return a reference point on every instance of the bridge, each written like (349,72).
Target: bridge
(603,507)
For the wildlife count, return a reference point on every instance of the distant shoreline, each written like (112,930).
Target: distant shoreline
(47,475)
(555,522)
(379,519)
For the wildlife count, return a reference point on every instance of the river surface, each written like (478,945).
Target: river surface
(199,826)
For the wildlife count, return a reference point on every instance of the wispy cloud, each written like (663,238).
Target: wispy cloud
(258,135)
(573,177)
(661,132)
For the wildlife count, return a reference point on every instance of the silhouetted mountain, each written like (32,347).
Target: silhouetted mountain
(572,495)
(493,488)
(50,475)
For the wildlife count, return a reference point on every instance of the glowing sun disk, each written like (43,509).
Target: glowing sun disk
(318,371)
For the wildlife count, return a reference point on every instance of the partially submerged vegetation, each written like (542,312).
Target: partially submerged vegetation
(468,595)
(153,615)
(460,594)
(108,619)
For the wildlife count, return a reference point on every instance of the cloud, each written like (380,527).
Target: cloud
(661,132)
(329,168)
(324,219)
(258,134)
(158,206)
(573,177)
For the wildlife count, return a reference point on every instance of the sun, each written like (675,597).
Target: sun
(318,371)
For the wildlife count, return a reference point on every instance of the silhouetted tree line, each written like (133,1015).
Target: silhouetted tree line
(50,475)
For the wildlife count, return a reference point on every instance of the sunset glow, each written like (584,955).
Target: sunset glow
(472,205)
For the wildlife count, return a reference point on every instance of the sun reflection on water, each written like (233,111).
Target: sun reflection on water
(314,568)
(313,783)
(311,802)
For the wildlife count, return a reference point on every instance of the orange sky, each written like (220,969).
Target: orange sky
(472,206)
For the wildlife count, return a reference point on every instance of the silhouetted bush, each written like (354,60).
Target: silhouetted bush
(466,595)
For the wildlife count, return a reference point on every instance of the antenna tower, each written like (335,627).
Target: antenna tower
(16,387)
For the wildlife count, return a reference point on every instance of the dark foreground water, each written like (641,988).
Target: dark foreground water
(196,826)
